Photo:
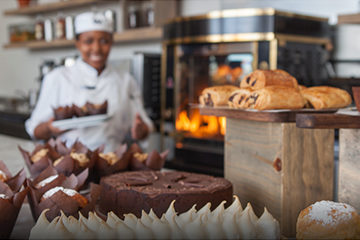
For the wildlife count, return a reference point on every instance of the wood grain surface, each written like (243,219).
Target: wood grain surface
(279,166)
(349,167)
(307,170)
(281,115)
(327,120)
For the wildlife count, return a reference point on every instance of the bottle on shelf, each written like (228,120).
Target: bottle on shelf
(60,26)
(148,14)
(133,16)
(39,28)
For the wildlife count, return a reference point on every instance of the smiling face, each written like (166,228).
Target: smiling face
(95,47)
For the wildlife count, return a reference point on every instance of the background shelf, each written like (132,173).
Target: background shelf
(133,35)
(50,7)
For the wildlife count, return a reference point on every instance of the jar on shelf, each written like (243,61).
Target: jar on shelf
(39,28)
(148,14)
(60,27)
(134,16)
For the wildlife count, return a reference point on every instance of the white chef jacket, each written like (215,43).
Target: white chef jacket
(80,83)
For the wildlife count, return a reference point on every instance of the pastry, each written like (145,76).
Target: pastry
(46,181)
(237,98)
(3,176)
(324,97)
(132,192)
(63,112)
(327,220)
(262,78)
(110,157)
(81,158)
(271,97)
(39,155)
(221,223)
(94,109)
(70,192)
(217,95)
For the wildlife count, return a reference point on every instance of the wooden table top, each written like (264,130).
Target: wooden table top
(281,115)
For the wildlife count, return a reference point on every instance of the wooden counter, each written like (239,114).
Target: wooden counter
(349,150)
(276,165)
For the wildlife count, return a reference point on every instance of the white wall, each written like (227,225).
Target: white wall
(19,68)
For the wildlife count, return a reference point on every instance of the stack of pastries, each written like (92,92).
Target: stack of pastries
(222,223)
(274,89)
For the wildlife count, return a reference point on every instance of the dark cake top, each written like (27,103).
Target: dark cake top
(155,182)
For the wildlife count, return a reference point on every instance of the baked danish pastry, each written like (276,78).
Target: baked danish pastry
(274,97)
(217,95)
(263,78)
(324,97)
(237,98)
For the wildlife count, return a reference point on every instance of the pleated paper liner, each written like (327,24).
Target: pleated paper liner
(14,182)
(104,168)
(9,209)
(35,168)
(154,160)
(59,200)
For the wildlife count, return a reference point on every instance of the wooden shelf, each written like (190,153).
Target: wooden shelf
(50,7)
(281,115)
(349,18)
(134,35)
(327,121)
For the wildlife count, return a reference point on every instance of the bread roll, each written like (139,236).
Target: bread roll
(217,95)
(324,97)
(263,78)
(327,220)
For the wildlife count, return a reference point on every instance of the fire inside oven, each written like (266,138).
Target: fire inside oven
(198,66)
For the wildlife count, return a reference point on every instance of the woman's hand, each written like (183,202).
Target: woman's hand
(46,130)
(139,130)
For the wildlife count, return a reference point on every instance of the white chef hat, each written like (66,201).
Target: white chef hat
(92,21)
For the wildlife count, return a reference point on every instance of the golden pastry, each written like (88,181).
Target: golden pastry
(237,98)
(263,78)
(217,95)
(3,176)
(39,154)
(110,157)
(275,97)
(323,97)
(81,158)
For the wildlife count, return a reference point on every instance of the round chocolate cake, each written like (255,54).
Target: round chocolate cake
(131,192)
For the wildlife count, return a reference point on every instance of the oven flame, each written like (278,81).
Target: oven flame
(199,125)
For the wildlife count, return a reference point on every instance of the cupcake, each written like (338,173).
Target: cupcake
(94,109)
(11,199)
(145,161)
(111,162)
(40,158)
(57,192)
(61,113)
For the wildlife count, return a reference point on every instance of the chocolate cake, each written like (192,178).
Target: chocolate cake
(132,192)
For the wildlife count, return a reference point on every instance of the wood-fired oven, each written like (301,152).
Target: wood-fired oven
(220,48)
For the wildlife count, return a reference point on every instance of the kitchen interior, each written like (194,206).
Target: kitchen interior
(173,67)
